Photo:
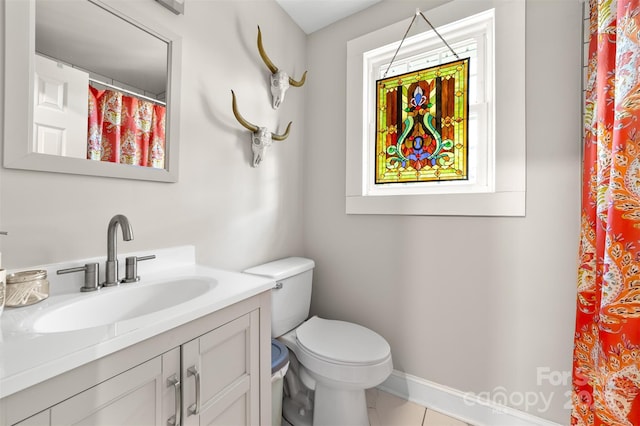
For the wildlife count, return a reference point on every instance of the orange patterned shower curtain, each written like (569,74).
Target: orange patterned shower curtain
(606,364)
(125,129)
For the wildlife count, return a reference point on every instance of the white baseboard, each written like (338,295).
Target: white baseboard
(452,402)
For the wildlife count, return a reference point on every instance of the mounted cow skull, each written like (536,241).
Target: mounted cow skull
(280,80)
(261,137)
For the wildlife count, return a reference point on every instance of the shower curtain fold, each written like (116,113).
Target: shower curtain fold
(606,361)
(125,129)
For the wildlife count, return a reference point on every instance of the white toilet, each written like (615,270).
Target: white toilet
(334,362)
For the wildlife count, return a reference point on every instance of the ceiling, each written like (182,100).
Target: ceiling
(312,15)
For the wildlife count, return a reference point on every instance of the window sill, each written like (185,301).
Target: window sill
(484,204)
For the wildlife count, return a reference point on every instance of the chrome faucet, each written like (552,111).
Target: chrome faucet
(111,271)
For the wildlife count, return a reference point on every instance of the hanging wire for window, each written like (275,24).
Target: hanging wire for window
(418,13)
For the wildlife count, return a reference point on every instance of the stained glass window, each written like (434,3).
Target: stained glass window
(422,125)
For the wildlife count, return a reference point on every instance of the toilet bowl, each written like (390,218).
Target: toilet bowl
(338,360)
(340,353)
(331,362)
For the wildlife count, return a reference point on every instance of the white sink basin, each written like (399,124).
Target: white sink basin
(113,305)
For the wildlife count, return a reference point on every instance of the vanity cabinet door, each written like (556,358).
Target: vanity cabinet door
(220,372)
(133,397)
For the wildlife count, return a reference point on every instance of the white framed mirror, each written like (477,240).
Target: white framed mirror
(34,37)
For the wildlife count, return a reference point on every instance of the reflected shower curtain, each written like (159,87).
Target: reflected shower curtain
(125,129)
(606,363)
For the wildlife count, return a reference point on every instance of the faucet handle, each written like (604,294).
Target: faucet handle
(91,272)
(131,268)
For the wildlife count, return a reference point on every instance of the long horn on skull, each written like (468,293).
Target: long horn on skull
(283,136)
(298,83)
(265,58)
(240,119)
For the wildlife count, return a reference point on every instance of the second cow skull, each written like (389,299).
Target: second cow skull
(261,138)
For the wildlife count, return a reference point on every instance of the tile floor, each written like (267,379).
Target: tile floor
(389,410)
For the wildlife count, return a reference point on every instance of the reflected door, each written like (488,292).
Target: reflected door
(60,109)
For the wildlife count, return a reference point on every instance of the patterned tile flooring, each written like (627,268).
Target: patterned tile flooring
(389,410)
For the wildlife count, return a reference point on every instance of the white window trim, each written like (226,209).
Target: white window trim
(508,195)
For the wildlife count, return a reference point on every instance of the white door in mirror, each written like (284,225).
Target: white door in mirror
(60,111)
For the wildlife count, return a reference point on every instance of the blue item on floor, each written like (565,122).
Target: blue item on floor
(279,355)
(279,367)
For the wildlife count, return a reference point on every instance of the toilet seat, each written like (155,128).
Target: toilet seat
(339,354)
(340,342)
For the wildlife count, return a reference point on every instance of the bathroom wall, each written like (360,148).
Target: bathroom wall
(479,304)
(235,215)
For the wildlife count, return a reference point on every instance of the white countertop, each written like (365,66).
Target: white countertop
(28,357)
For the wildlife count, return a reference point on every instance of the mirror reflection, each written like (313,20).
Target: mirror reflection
(100,86)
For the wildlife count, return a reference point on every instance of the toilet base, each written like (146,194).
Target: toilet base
(339,407)
(296,413)
(310,402)
(331,407)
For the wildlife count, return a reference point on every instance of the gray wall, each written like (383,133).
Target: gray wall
(474,303)
(235,215)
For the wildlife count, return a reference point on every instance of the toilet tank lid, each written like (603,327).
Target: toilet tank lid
(283,268)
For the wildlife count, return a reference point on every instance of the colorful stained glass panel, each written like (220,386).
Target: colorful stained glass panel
(422,125)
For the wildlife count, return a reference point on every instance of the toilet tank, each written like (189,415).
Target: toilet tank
(291,297)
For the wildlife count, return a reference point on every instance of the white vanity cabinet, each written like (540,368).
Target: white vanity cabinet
(131,398)
(134,397)
(220,375)
(221,360)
